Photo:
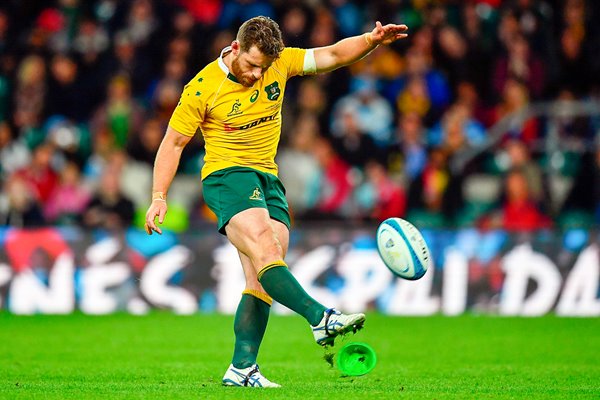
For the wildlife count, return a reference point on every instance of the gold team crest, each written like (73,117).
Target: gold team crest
(235,109)
(273,91)
(256,195)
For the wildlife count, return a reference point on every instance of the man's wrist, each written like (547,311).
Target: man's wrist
(369,39)
(159,196)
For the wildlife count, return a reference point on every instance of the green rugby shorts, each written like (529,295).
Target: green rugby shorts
(235,189)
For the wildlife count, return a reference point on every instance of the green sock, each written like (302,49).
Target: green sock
(281,285)
(249,326)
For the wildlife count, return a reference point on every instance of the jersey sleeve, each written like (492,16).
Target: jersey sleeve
(189,113)
(293,58)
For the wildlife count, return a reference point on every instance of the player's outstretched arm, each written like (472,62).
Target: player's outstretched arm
(352,49)
(165,167)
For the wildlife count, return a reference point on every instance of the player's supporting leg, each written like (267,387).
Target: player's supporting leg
(253,233)
(251,318)
(250,323)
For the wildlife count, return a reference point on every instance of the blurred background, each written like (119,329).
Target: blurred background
(486,118)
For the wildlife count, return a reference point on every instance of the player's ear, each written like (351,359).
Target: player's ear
(235,47)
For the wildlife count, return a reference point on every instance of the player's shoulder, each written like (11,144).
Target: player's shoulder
(211,74)
(290,59)
(289,54)
(205,83)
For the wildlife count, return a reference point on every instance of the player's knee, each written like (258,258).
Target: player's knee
(268,255)
(265,246)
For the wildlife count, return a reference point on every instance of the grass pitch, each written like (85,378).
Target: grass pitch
(163,356)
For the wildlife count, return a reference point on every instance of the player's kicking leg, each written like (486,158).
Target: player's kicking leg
(265,242)
(334,324)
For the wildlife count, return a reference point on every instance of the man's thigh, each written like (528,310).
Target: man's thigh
(233,190)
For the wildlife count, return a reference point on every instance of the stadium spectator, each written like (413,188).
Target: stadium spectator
(120,115)
(30,93)
(352,144)
(407,155)
(103,147)
(534,18)
(508,28)
(349,16)
(372,112)
(421,88)
(414,98)
(519,63)
(70,198)
(164,92)
(311,99)
(584,195)
(6,31)
(576,132)
(205,12)
(295,25)
(5,93)
(518,157)
(297,163)
(436,193)
(67,95)
(479,36)
(19,205)
(515,99)
(470,96)
(39,174)
(46,34)
(574,70)
(379,197)
(453,55)
(142,22)
(14,154)
(109,209)
(331,187)
(91,41)
(457,130)
(323,33)
(182,24)
(384,64)
(518,211)
(143,146)
(127,60)
(237,11)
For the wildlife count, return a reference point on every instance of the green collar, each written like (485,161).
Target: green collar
(224,68)
(232,77)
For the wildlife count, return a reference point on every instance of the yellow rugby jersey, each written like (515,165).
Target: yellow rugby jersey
(241,125)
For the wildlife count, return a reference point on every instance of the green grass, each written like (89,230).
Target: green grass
(163,356)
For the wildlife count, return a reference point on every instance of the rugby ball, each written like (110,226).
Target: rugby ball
(402,248)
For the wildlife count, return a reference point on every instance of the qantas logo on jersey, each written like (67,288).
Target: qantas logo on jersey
(230,128)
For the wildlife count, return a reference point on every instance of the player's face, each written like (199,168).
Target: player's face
(249,66)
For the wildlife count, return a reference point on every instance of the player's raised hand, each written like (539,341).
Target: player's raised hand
(386,34)
(158,208)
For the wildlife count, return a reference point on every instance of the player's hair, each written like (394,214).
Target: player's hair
(262,32)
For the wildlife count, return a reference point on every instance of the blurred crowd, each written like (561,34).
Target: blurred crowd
(87,89)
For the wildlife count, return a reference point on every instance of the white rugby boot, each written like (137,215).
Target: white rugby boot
(247,377)
(334,323)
